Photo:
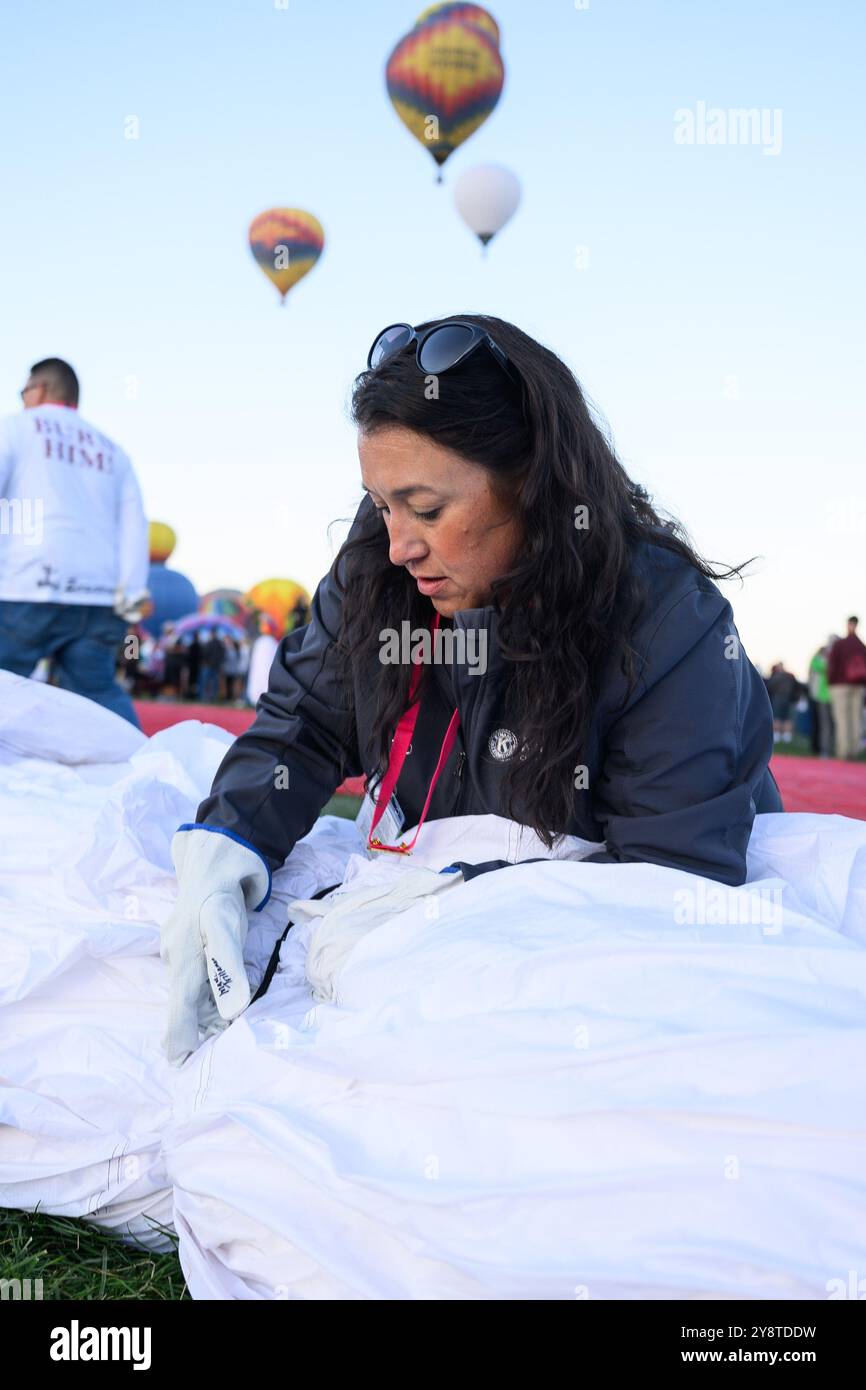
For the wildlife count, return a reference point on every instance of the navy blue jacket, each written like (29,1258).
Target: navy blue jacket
(675,771)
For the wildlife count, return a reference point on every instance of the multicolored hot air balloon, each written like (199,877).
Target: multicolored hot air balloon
(278,598)
(286,243)
(446,76)
(468,14)
(487,195)
(204,623)
(225,603)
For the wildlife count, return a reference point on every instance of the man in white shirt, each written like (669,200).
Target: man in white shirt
(73,541)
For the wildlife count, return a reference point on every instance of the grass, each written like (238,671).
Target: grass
(78,1261)
(345,806)
(800,747)
(75,1260)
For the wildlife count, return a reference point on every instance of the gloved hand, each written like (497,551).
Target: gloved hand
(219,881)
(344,917)
(132,608)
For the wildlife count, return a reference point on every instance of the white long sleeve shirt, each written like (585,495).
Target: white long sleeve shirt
(72,522)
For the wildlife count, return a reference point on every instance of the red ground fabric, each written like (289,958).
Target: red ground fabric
(807,784)
(822,784)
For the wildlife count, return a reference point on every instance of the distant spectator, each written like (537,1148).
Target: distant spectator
(192,668)
(129,662)
(300,614)
(73,565)
(213,655)
(235,669)
(783,688)
(174,676)
(150,671)
(846,676)
(821,728)
(261,660)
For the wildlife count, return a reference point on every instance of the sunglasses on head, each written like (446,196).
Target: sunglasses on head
(439,348)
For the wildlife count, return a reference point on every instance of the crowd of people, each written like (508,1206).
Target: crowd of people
(207,666)
(830,701)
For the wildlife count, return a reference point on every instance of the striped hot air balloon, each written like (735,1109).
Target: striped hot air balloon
(445,77)
(225,603)
(469,14)
(286,243)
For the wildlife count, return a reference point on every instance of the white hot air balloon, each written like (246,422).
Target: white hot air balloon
(487,195)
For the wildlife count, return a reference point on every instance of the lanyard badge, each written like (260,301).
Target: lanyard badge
(387,809)
(389,825)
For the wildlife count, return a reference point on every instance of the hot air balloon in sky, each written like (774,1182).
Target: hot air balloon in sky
(286,243)
(487,195)
(468,14)
(446,76)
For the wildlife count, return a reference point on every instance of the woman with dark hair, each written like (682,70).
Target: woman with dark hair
(606,696)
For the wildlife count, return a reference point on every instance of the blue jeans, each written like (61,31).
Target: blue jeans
(208,684)
(83,640)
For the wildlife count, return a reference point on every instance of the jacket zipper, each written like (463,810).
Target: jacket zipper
(458,773)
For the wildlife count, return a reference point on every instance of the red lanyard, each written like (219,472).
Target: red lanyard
(396,758)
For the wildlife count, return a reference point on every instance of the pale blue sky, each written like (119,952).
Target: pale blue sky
(718,324)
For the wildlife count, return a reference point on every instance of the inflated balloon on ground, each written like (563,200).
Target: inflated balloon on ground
(161,541)
(225,603)
(173,595)
(278,598)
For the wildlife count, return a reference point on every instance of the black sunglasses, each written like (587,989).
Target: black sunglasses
(438,348)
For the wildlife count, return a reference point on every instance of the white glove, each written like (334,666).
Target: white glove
(219,881)
(132,607)
(347,915)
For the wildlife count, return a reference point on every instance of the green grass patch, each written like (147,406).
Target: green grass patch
(800,747)
(345,806)
(77,1261)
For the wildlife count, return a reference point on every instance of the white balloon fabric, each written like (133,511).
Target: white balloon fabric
(487,196)
(559,1080)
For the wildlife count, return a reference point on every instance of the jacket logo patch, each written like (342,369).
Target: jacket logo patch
(502,744)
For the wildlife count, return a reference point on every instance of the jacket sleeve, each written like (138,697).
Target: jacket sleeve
(683,764)
(276,777)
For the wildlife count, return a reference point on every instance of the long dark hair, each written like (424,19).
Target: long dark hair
(567,604)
